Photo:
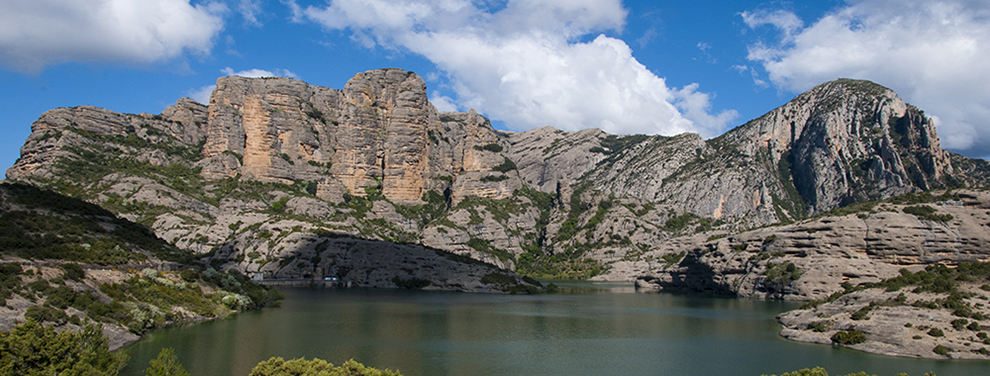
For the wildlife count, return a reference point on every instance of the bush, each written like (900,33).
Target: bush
(941,350)
(936,332)
(43,314)
(301,366)
(506,166)
(959,324)
(189,275)
(849,337)
(73,271)
(493,147)
(494,178)
(819,326)
(927,213)
(862,313)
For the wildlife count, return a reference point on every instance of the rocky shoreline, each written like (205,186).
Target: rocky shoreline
(932,321)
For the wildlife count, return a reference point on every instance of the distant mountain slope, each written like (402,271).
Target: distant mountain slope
(248,179)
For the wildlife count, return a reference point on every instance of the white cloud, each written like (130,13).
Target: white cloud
(787,22)
(250,9)
(934,54)
(258,73)
(38,33)
(442,103)
(202,95)
(525,63)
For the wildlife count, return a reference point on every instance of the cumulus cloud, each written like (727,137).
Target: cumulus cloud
(529,63)
(38,33)
(934,54)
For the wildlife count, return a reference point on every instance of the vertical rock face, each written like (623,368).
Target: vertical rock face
(379,132)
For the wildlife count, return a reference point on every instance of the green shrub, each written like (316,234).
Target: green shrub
(494,178)
(506,166)
(672,258)
(189,275)
(43,314)
(73,271)
(941,350)
(862,313)
(927,213)
(819,326)
(493,147)
(959,324)
(61,297)
(936,332)
(849,337)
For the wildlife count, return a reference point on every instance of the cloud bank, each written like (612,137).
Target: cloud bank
(934,54)
(38,33)
(529,63)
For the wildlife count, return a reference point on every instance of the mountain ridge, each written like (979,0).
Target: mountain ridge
(376,160)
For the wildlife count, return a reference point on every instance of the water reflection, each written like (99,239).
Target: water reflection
(587,329)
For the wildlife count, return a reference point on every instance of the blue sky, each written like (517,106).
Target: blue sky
(657,67)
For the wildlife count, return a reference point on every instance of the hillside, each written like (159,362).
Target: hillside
(68,263)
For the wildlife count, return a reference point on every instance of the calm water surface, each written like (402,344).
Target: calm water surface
(589,329)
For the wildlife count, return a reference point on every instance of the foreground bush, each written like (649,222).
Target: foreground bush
(819,371)
(31,349)
(315,367)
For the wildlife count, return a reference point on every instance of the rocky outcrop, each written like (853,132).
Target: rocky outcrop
(856,248)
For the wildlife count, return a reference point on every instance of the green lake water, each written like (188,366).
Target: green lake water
(588,329)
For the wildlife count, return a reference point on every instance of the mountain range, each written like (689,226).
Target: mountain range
(273,173)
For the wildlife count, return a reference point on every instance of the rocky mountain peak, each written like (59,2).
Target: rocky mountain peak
(846,141)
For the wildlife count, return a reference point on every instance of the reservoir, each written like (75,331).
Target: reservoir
(587,329)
